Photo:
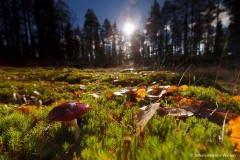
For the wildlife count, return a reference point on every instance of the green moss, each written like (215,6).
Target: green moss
(104,126)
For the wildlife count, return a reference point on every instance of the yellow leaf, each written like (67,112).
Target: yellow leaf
(138,99)
(183,87)
(141,94)
(233,130)
(105,87)
(236,98)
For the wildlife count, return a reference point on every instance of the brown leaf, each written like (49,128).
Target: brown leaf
(179,112)
(156,89)
(25,109)
(177,98)
(77,99)
(17,96)
(78,92)
(110,95)
(217,117)
(128,104)
(132,95)
(190,102)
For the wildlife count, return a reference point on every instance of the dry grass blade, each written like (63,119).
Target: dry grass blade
(183,75)
(224,124)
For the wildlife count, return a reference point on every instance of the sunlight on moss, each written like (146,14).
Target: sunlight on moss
(107,123)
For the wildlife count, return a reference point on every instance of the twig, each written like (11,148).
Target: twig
(224,124)
(214,109)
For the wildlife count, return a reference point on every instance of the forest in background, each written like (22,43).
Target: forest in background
(41,32)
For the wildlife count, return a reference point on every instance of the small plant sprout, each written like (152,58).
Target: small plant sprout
(69,112)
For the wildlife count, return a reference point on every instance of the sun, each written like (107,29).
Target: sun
(128,28)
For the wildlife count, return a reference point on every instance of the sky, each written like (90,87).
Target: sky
(119,11)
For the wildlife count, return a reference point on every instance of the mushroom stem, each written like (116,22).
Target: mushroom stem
(77,129)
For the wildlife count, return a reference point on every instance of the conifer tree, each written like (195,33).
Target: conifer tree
(234,28)
(91,36)
(153,28)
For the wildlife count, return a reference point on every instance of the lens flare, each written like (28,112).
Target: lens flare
(129,28)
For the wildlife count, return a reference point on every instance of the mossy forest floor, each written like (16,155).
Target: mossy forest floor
(108,129)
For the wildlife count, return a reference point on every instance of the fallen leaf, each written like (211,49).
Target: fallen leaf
(233,130)
(155,89)
(78,92)
(177,98)
(171,89)
(77,99)
(144,114)
(236,98)
(110,95)
(183,87)
(190,102)
(17,96)
(140,94)
(25,109)
(128,104)
(217,117)
(179,112)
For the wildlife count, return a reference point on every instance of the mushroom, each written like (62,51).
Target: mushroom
(69,112)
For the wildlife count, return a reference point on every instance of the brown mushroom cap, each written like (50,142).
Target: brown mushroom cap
(68,111)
